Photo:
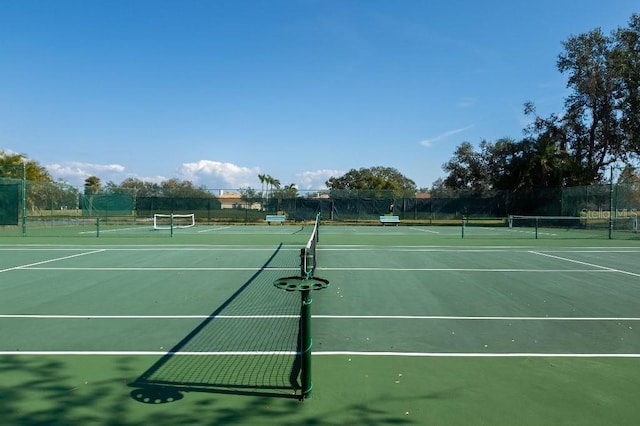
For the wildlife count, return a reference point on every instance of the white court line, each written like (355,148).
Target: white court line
(616,250)
(152,248)
(424,230)
(482,354)
(475,318)
(323,247)
(213,229)
(107,230)
(240,268)
(156,268)
(31,265)
(554,271)
(593,265)
(156,353)
(435,249)
(392,317)
(330,353)
(65,316)
(38,248)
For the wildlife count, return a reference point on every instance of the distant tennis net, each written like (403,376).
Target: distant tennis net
(593,225)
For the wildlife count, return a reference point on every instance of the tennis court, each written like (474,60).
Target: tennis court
(418,326)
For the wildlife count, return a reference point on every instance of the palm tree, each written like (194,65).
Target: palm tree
(92,185)
(263,179)
(269,180)
(275,183)
(271,183)
(290,191)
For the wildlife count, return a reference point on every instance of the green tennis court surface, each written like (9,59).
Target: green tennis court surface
(419,326)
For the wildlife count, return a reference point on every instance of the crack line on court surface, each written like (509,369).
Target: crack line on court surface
(31,265)
(593,265)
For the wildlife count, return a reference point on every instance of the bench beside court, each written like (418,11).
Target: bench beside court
(394,220)
(276,218)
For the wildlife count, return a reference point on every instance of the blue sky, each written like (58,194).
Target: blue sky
(218,92)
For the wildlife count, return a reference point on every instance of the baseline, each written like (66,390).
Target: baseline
(566,259)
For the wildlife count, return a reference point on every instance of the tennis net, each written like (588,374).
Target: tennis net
(250,344)
(247,345)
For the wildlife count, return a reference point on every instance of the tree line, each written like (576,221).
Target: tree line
(598,130)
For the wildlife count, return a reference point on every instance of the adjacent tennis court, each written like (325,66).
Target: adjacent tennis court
(418,326)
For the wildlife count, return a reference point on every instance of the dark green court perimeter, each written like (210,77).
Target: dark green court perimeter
(416,328)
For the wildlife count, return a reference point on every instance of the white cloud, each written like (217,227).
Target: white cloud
(316,179)
(212,174)
(429,142)
(217,175)
(75,172)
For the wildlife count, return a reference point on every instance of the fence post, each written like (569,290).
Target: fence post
(24,198)
(611,204)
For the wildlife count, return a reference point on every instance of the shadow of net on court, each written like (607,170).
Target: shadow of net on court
(249,345)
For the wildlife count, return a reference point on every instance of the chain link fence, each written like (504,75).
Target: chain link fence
(40,204)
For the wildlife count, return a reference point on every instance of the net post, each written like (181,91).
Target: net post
(463,225)
(97,226)
(303,262)
(305,327)
(305,283)
(171,225)
(611,205)
(307,343)
(537,220)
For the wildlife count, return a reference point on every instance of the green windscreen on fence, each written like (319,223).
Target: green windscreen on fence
(107,204)
(56,203)
(9,210)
